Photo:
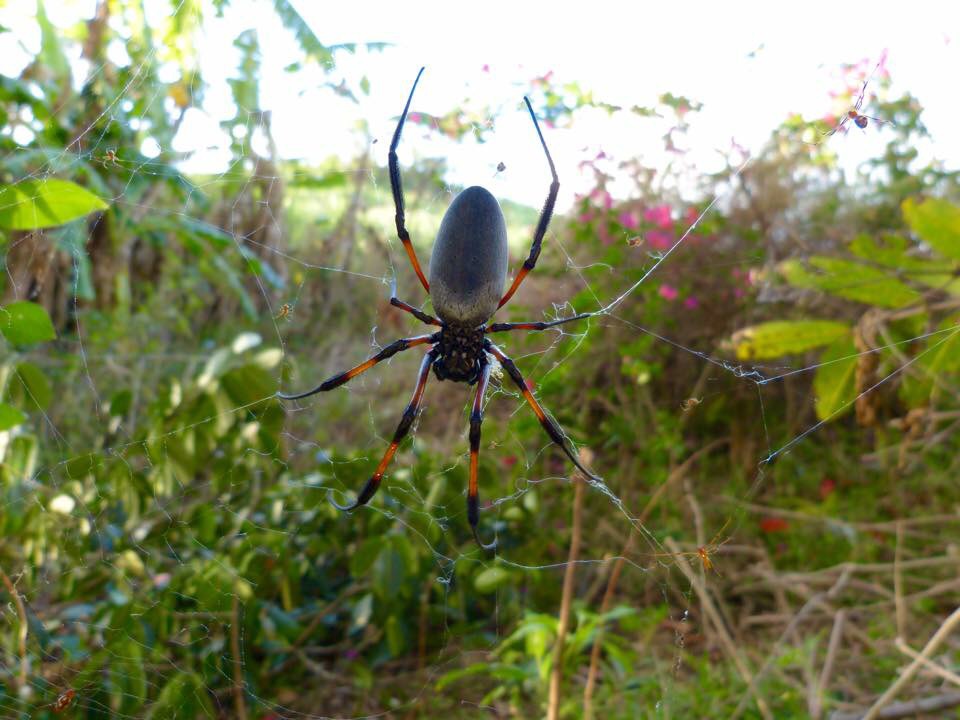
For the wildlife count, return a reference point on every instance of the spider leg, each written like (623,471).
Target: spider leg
(879,121)
(409,415)
(416,312)
(344,377)
(549,424)
(473,490)
(501,327)
(397,187)
(837,127)
(545,215)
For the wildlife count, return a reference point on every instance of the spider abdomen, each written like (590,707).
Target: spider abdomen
(468,268)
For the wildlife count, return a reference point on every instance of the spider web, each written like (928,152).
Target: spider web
(149,544)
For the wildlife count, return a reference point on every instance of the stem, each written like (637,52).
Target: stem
(556,673)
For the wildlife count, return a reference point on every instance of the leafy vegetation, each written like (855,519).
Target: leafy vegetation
(168,545)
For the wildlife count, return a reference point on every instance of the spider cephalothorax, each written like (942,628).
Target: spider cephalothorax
(468,270)
(461,353)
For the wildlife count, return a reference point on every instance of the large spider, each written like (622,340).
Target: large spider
(468,270)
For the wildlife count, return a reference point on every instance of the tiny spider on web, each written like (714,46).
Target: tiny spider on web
(284,312)
(859,119)
(109,157)
(64,701)
(468,272)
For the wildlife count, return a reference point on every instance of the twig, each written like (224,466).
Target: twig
(21,631)
(556,673)
(795,621)
(725,640)
(922,706)
(938,637)
(241,704)
(901,609)
(936,668)
(835,636)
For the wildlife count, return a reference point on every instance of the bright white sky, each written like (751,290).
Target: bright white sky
(750,63)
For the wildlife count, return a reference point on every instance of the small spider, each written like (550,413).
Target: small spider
(64,701)
(860,120)
(501,167)
(284,313)
(468,271)
(690,403)
(704,554)
(110,156)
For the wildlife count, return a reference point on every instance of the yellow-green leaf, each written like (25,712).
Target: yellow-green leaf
(834,381)
(33,204)
(850,280)
(937,223)
(490,579)
(10,417)
(785,337)
(25,323)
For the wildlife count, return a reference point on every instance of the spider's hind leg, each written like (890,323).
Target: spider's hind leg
(549,424)
(473,490)
(406,422)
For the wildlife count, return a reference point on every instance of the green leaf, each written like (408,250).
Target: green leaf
(784,337)
(31,390)
(396,636)
(850,280)
(834,382)
(25,323)
(309,42)
(941,357)
(490,579)
(10,417)
(184,696)
(248,384)
(33,204)
(937,223)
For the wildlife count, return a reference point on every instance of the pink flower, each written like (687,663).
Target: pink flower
(628,220)
(659,216)
(585,217)
(414,117)
(659,240)
(668,292)
(691,303)
(607,201)
(692,215)
(485,68)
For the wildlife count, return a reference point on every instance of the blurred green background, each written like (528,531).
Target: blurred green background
(773,411)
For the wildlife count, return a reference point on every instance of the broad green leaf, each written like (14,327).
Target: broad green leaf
(25,323)
(10,417)
(834,381)
(184,696)
(30,388)
(850,280)
(248,384)
(309,42)
(785,337)
(33,204)
(893,252)
(937,223)
(490,579)
(941,357)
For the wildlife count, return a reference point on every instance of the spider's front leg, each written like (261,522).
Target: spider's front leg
(548,423)
(409,415)
(345,377)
